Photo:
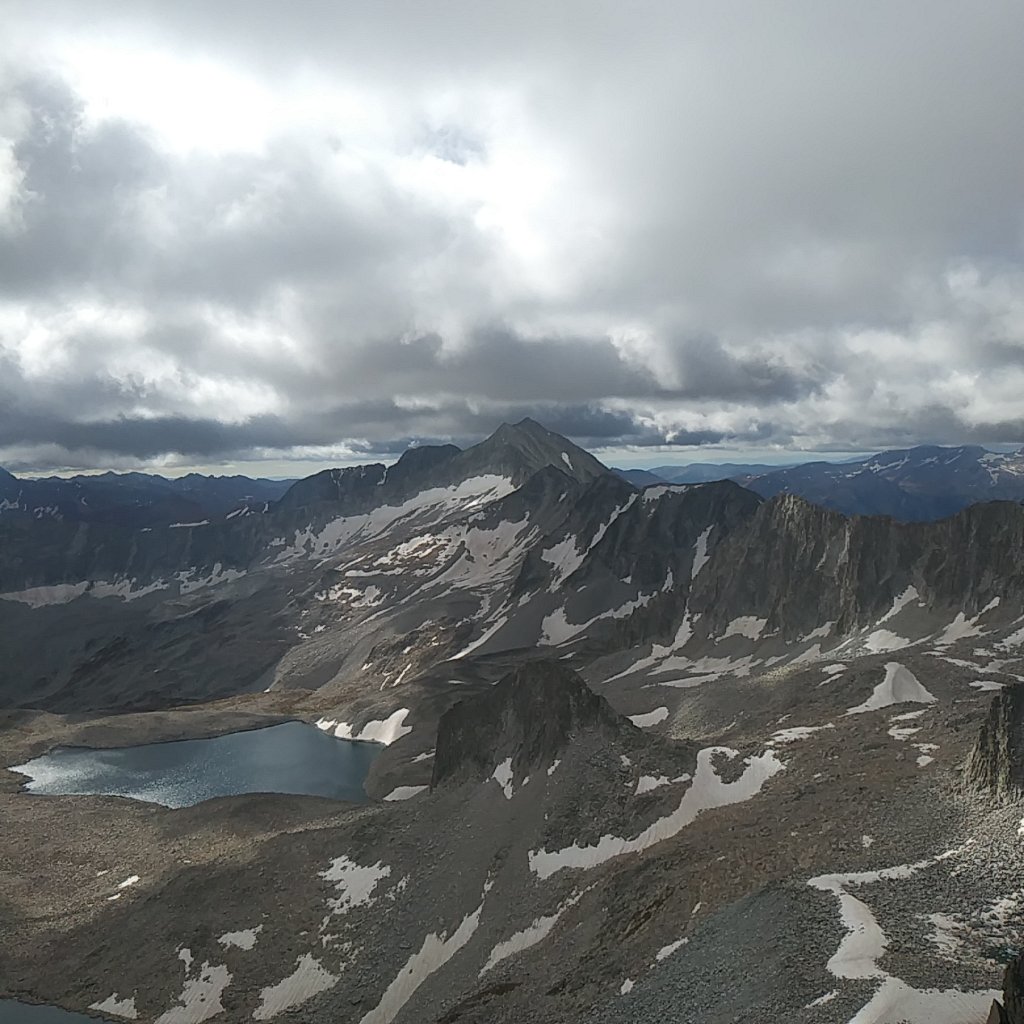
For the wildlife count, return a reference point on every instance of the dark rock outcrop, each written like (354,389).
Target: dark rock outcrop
(530,715)
(797,565)
(1011,1010)
(996,763)
(1013,992)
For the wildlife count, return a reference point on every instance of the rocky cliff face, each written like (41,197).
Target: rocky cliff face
(530,716)
(1013,992)
(996,763)
(1011,1009)
(798,565)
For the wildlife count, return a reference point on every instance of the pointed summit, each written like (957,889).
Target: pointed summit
(519,450)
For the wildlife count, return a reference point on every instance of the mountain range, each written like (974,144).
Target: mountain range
(911,484)
(134,499)
(678,752)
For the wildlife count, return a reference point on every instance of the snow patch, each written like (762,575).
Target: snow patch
(907,597)
(746,625)
(503,776)
(666,951)
(117,1007)
(650,718)
(385,731)
(707,791)
(200,996)
(64,593)
(244,939)
(516,943)
(882,640)
(700,553)
(354,883)
(900,686)
(985,685)
(864,944)
(648,782)
(405,792)
(798,732)
(822,1000)
(307,980)
(435,952)
(962,627)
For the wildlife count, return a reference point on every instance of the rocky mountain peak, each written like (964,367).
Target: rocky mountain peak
(521,449)
(530,716)
(996,762)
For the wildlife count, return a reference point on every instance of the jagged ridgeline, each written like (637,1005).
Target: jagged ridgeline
(522,541)
(629,740)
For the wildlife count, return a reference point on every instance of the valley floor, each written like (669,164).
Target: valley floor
(857,883)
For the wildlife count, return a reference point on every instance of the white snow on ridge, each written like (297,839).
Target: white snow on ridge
(64,593)
(482,639)
(356,598)
(707,791)
(405,792)
(798,732)
(907,597)
(200,996)
(647,783)
(746,625)
(117,1007)
(354,882)
(863,945)
(529,936)
(557,629)
(565,557)
(650,718)
(244,939)
(435,952)
(657,491)
(385,731)
(883,640)
(440,501)
(895,1000)
(307,980)
(503,777)
(662,655)
(700,553)
(188,581)
(961,628)
(900,686)
(666,951)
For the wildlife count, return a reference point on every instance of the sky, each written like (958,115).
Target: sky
(269,237)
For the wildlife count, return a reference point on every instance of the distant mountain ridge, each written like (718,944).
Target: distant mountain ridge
(134,500)
(912,484)
(917,484)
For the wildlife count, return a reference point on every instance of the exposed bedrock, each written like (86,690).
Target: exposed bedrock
(530,716)
(996,762)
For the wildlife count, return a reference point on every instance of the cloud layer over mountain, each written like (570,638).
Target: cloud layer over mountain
(251,229)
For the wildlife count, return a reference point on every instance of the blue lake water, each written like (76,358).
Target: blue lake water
(12,1012)
(288,758)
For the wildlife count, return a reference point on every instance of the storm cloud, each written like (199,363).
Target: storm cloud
(242,231)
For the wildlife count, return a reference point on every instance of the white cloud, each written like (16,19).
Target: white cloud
(799,228)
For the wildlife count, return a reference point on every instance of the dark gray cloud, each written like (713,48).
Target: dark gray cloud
(343,229)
